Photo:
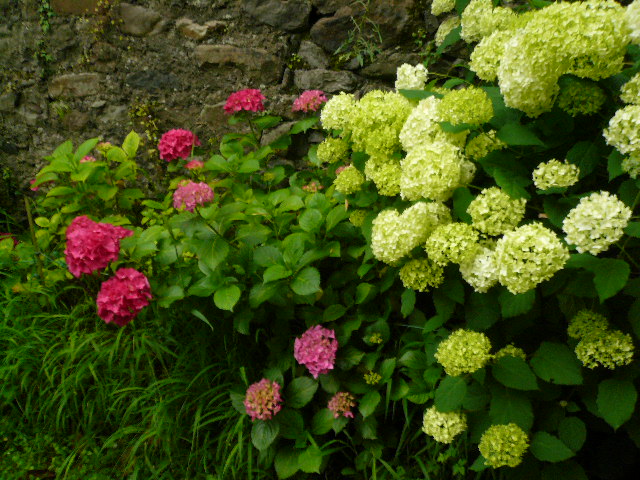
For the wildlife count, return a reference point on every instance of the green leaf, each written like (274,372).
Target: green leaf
(61,191)
(462,197)
(454,128)
(418,94)
(549,448)
(130,144)
(452,37)
(291,424)
(275,272)
(170,295)
(286,462)
(211,253)
(573,432)
(291,204)
(514,372)
(566,470)
(556,363)
(335,216)
(85,148)
(226,298)
(267,256)
(614,165)
(368,403)
(408,302)
(514,305)
(586,156)
(249,166)
(516,134)
(450,393)
(266,121)
(217,163)
(310,220)
(365,292)
(264,433)
(309,461)
(610,274)
(306,281)
(303,125)
(333,312)
(300,392)
(616,401)
(633,229)
(106,192)
(510,406)
(322,422)
(482,310)
(64,149)
(261,293)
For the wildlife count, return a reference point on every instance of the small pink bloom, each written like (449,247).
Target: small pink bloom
(193,164)
(249,99)
(34,188)
(309,101)
(177,143)
(87,159)
(92,246)
(316,349)
(191,194)
(341,404)
(312,186)
(122,297)
(340,169)
(4,236)
(263,400)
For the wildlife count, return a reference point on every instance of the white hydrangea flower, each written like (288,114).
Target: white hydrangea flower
(439,7)
(623,132)
(443,426)
(337,111)
(632,17)
(555,174)
(596,222)
(445,28)
(409,77)
(480,271)
(421,127)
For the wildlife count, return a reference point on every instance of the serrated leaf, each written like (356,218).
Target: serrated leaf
(556,363)
(633,229)
(309,461)
(130,144)
(300,392)
(614,165)
(226,298)
(267,256)
(549,448)
(573,433)
(514,372)
(303,125)
(408,302)
(333,312)
(322,422)
(616,401)
(452,37)
(365,292)
(306,281)
(335,216)
(514,305)
(482,310)
(264,433)
(286,462)
(310,220)
(510,406)
(450,393)
(520,135)
(211,253)
(261,293)
(368,403)
(275,272)
(585,155)
(291,423)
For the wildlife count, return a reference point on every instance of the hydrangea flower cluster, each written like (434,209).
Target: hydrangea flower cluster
(192,194)
(422,127)
(443,426)
(609,348)
(445,28)
(503,445)
(316,349)
(510,351)
(480,271)
(632,17)
(623,132)
(469,105)
(409,77)
(177,143)
(464,351)
(194,165)
(249,100)
(123,296)
(385,172)
(481,145)
(596,222)
(92,246)
(494,212)
(438,7)
(88,159)
(631,165)
(341,404)
(581,97)
(349,180)
(630,91)
(480,19)
(357,217)
(528,256)
(454,242)
(309,101)
(555,174)
(336,113)
(332,150)
(421,274)
(585,322)
(262,400)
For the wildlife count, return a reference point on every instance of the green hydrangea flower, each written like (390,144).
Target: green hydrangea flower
(443,426)
(349,180)
(332,150)
(596,222)
(480,19)
(510,351)
(439,7)
(409,77)
(464,351)
(584,322)
(336,113)
(631,165)
(385,172)
(485,58)
(494,212)
(529,255)
(623,132)
(503,445)
(555,174)
(630,91)
(469,105)
(481,145)
(480,270)
(445,28)
(609,348)
(632,19)
(454,242)
(421,275)
(357,217)
(580,97)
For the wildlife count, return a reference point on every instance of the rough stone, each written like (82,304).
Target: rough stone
(74,7)
(385,66)
(213,115)
(275,133)
(331,32)
(313,55)
(153,80)
(289,15)
(394,18)
(75,120)
(75,85)
(253,60)
(327,80)
(7,102)
(195,31)
(114,114)
(330,6)
(138,21)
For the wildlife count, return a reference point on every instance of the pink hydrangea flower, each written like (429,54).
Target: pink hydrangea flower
(193,164)
(122,297)
(4,236)
(92,246)
(341,404)
(177,143)
(249,99)
(191,194)
(87,159)
(312,187)
(316,349)
(263,400)
(309,101)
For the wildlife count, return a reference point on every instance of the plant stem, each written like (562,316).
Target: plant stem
(32,231)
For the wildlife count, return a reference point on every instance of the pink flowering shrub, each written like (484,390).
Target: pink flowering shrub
(263,400)
(312,187)
(192,194)
(92,246)
(87,159)
(122,297)
(193,164)
(249,99)
(316,349)
(177,143)
(341,404)
(309,101)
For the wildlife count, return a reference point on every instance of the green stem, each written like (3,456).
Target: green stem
(32,231)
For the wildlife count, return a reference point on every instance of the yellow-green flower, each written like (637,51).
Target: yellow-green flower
(349,180)
(609,348)
(421,275)
(503,445)
(464,351)
(443,426)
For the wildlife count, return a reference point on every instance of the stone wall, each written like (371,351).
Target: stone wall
(104,67)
